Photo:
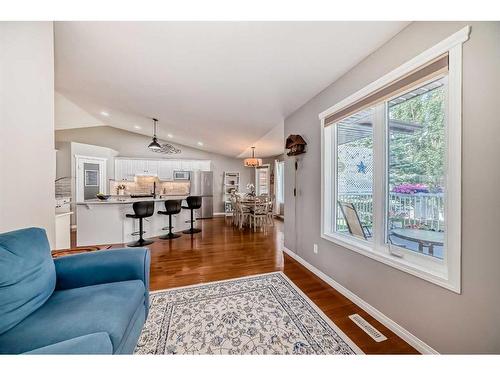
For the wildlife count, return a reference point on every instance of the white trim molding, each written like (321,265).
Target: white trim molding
(404,334)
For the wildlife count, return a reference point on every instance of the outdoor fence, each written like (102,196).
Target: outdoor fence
(421,210)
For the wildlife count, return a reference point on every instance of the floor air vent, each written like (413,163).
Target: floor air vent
(367,327)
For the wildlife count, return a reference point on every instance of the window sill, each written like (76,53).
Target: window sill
(381,254)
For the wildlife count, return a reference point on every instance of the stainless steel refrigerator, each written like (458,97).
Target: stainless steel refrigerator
(202,185)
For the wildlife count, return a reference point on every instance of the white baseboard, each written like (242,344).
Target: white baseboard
(219,214)
(407,336)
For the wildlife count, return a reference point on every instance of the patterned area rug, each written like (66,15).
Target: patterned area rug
(263,314)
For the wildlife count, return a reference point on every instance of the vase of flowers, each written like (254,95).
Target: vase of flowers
(120,189)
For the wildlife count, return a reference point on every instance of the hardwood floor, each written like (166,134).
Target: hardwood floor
(221,252)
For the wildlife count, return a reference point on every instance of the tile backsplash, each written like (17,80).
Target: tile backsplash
(146,187)
(63,187)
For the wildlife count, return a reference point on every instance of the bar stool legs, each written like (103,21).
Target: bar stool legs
(141,241)
(172,207)
(170,235)
(192,230)
(193,203)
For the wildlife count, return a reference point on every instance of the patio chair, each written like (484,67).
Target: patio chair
(354,225)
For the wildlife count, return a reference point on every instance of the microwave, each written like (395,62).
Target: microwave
(181,175)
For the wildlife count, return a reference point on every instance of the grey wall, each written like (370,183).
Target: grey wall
(27,156)
(129,144)
(449,322)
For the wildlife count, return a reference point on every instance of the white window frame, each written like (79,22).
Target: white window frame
(446,272)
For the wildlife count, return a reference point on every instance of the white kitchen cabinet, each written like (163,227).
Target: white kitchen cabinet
(187,165)
(63,231)
(205,165)
(176,165)
(123,170)
(152,167)
(165,170)
(195,165)
(139,166)
(126,169)
(118,170)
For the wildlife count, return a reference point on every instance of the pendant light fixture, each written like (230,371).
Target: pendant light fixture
(252,162)
(154,145)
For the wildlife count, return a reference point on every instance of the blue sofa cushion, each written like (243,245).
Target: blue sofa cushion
(27,274)
(94,343)
(71,313)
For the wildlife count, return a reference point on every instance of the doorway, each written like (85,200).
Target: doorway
(90,177)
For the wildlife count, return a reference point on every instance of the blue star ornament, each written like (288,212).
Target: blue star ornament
(361,167)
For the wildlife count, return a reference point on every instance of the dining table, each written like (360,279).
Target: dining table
(424,238)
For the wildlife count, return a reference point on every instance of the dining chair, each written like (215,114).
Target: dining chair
(354,225)
(270,212)
(234,216)
(243,213)
(259,213)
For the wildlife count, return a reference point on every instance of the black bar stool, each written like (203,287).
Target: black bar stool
(172,207)
(193,202)
(141,210)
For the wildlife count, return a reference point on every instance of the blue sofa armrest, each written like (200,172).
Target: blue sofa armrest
(94,343)
(105,266)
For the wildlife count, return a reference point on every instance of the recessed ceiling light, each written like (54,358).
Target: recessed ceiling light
(170,135)
(200,143)
(137,127)
(104,113)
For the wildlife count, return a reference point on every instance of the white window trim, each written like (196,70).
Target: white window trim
(447,272)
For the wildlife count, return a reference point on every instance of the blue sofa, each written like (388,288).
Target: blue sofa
(91,303)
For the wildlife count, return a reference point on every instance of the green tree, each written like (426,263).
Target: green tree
(418,157)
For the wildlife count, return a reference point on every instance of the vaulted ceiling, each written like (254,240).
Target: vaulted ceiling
(228,85)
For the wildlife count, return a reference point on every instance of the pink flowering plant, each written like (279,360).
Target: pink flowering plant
(409,188)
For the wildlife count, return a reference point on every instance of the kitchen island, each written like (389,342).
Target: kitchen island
(105,222)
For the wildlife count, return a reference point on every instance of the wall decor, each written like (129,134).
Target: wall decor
(296,144)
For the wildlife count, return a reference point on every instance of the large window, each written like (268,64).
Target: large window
(391,160)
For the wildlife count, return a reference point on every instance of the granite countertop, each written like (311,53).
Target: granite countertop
(128,200)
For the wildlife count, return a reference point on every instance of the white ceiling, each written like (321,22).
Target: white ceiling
(226,84)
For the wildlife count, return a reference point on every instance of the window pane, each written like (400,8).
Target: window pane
(262,178)
(354,180)
(416,170)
